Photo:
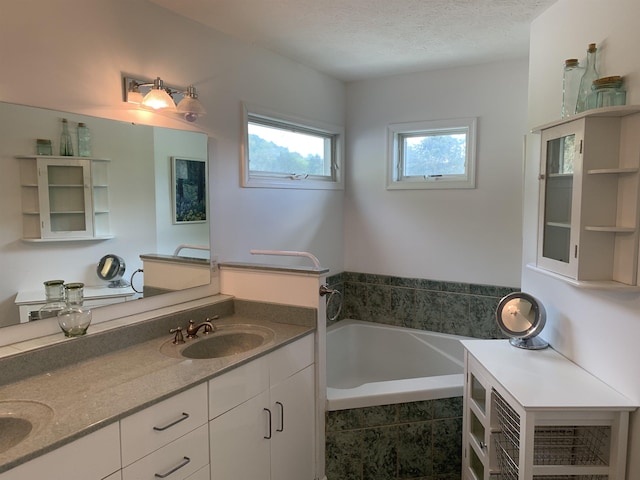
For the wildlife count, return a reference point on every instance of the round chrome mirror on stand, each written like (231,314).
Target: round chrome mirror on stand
(522,317)
(111,268)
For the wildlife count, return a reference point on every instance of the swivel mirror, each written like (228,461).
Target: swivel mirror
(522,317)
(111,268)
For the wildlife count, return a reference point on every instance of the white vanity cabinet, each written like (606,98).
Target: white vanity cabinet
(588,209)
(64,198)
(93,457)
(263,417)
(168,439)
(533,414)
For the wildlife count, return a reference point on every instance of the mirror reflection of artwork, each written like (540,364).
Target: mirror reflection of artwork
(189,190)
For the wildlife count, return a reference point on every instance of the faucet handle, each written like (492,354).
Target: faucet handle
(178,338)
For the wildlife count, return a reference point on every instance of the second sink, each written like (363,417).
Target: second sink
(227,340)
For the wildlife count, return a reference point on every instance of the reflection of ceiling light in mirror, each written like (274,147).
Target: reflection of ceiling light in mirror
(161,97)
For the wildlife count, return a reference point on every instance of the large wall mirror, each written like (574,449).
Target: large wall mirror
(141,203)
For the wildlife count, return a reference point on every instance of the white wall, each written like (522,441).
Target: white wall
(470,236)
(598,330)
(69,55)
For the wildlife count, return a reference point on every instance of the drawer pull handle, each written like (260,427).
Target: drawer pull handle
(184,462)
(281,429)
(169,425)
(268,436)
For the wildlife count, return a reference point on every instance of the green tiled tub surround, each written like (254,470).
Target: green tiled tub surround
(447,307)
(417,440)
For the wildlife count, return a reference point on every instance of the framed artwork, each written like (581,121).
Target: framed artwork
(189,189)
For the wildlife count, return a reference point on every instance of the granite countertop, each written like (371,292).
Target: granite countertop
(96,392)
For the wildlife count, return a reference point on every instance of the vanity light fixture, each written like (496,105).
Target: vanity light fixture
(157,95)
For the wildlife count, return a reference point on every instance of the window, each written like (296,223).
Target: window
(283,152)
(432,154)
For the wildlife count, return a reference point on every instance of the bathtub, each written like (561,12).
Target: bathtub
(375,364)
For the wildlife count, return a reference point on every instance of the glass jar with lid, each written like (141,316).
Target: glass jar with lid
(54,294)
(609,91)
(75,318)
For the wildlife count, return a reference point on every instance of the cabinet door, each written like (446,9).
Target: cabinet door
(64,187)
(559,224)
(92,457)
(239,441)
(293,427)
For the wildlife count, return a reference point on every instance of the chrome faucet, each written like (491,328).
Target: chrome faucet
(192,329)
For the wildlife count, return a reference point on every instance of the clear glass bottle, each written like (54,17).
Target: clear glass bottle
(586,97)
(54,293)
(74,319)
(84,140)
(570,84)
(66,145)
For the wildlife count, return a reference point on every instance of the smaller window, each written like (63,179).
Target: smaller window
(282,152)
(432,154)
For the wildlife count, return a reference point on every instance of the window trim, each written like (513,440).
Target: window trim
(303,125)
(396,131)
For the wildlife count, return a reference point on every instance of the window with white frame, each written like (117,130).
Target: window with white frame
(432,154)
(286,152)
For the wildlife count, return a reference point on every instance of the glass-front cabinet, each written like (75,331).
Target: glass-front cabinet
(64,198)
(557,175)
(588,210)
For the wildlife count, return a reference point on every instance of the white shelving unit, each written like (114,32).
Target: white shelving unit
(589,195)
(64,198)
(534,415)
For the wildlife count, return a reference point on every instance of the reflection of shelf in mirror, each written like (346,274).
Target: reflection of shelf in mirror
(61,185)
(587,284)
(34,212)
(560,175)
(609,228)
(611,171)
(30,185)
(69,212)
(559,224)
(69,239)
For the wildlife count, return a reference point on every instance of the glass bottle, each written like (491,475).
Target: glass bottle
(66,146)
(84,140)
(54,293)
(74,319)
(586,97)
(570,84)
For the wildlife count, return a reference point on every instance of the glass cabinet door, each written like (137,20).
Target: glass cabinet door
(65,202)
(558,233)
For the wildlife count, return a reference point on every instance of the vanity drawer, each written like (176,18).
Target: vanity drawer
(156,426)
(290,359)
(175,461)
(237,386)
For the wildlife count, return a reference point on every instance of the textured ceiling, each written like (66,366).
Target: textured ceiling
(357,39)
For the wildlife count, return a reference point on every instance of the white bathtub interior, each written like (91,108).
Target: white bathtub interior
(375,364)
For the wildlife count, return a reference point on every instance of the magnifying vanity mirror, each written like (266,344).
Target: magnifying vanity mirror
(134,199)
(111,269)
(522,317)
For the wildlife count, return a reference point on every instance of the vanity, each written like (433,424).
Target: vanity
(142,407)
